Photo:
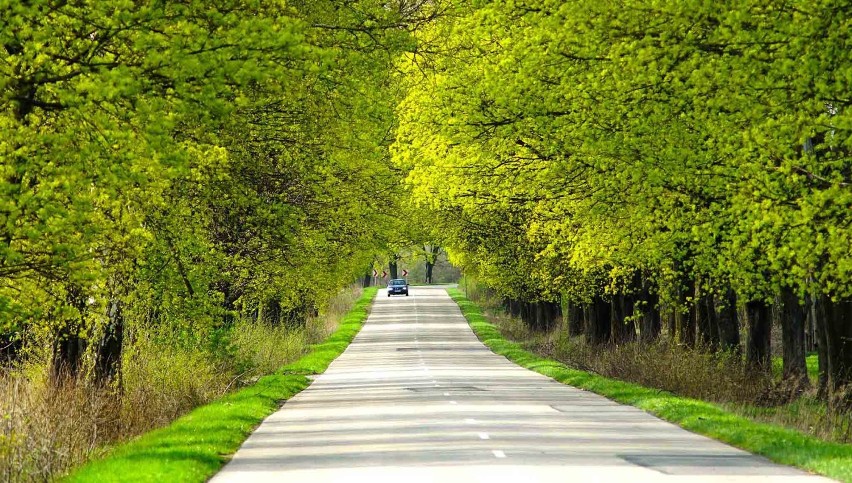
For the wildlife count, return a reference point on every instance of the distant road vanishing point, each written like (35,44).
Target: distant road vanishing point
(417,398)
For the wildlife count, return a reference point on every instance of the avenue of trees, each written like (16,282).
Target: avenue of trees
(181,164)
(679,167)
(637,167)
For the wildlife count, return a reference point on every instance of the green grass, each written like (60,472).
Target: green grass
(779,444)
(811,360)
(197,445)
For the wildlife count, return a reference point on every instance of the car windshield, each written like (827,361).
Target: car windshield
(397,282)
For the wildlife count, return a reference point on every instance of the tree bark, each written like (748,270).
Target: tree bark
(687,325)
(622,330)
(670,320)
(759,335)
(838,337)
(394,272)
(792,314)
(108,358)
(68,345)
(706,323)
(429,267)
(810,326)
(272,312)
(598,321)
(651,324)
(368,279)
(727,320)
(574,319)
(10,346)
(820,328)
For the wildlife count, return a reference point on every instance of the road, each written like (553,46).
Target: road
(417,398)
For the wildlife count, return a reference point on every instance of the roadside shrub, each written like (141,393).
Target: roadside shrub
(50,425)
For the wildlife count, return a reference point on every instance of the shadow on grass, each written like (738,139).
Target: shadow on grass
(777,443)
(198,444)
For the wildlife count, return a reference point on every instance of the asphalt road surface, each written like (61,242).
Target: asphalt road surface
(417,398)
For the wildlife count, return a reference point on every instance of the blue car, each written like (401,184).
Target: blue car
(398,286)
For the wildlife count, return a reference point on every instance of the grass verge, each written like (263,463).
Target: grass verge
(197,445)
(779,444)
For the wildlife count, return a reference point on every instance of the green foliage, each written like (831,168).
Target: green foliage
(188,163)
(776,443)
(567,145)
(195,446)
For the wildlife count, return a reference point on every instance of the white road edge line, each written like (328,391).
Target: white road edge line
(498,453)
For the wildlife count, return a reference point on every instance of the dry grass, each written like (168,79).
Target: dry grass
(49,426)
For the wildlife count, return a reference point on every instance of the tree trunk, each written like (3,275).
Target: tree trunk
(818,310)
(792,314)
(651,325)
(368,279)
(272,312)
(574,319)
(810,326)
(622,330)
(687,319)
(68,349)
(108,358)
(759,335)
(598,321)
(540,316)
(727,321)
(229,300)
(705,313)
(513,308)
(432,253)
(670,320)
(394,273)
(550,312)
(838,338)
(68,345)
(524,313)
(10,346)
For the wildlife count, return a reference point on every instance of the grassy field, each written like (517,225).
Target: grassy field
(196,446)
(779,444)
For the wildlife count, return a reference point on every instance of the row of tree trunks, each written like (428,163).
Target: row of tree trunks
(537,315)
(713,323)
